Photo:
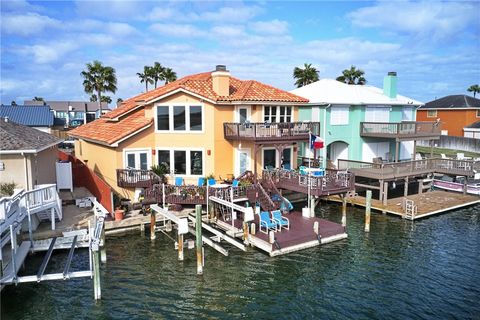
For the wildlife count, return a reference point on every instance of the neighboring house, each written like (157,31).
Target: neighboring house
(455,112)
(73,113)
(362,122)
(207,123)
(27,155)
(472,131)
(38,117)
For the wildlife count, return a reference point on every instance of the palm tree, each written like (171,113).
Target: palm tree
(475,88)
(352,76)
(169,75)
(306,75)
(146,76)
(119,100)
(99,78)
(158,73)
(38,99)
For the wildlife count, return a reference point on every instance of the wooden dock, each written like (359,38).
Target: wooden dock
(427,204)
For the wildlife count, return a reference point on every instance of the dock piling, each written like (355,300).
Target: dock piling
(344,211)
(367,210)
(180,247)
(252,229)
(103,248)
(152,225)
(96,276)
(198,238)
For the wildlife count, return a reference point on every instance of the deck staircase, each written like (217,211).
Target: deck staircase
(269,185)
(264,199)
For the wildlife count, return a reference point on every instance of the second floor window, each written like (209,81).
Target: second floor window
(277,114)
(180,118)
(431,113)
(339,115)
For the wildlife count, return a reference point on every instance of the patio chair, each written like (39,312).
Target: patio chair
(267,223)
(281,221)
(287,166)
(235,183)
(179,181)
(460,156)
(212,182)
(302,170)
(201,181)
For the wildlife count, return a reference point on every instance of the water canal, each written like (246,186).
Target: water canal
(428,269)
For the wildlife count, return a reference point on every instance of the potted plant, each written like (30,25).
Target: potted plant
(119,212)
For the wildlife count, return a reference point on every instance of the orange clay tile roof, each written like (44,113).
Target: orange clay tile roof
(108,132)
(201,84)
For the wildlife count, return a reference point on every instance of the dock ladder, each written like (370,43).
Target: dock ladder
(410,209)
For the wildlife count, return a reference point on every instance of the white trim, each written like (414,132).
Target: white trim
(31,150)
(187,106)
(237,112)
(130,135)
(239,150)
(465,108)
(187,160)
(202,98)
(138,151)
(471,129)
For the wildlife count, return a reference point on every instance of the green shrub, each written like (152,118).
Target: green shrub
(7,188)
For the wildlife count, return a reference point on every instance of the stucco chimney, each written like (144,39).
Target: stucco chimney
(221,80)
(390,85)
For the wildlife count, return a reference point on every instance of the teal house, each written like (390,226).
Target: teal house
(362,122)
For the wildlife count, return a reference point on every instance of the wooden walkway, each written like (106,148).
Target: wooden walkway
(428,204)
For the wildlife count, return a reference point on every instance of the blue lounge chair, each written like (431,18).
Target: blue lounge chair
(267,223)
(179,181)
(212,182)
(201,181)
(302,170)
(235,183)
(281,221)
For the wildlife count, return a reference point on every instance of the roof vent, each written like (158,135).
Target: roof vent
(392,73)
(220,67)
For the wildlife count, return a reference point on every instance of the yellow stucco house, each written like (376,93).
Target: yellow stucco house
(207,123)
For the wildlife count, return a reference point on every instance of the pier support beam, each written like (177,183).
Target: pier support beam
(312,206)
(367,210)
(385,195)
(380,195)
(344,211)
(103,248)
(198,238)
(96,275)
(152,225)
(180,247)
(405,187)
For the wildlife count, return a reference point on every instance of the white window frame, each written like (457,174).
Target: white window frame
(237,112)
(187,118)
(478,113)
(138,151)
(187,159)
(278,157)
(277,113)
(432,115)
(339,115)
(376,112)
(237,160)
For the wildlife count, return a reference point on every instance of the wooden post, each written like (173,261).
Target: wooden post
(142,229)
(344,211)
(385,194)
(180,247)
(152,225)
(420,186)
(312,206)
(405,187)
(168,226)
(367,210)
(245,233)
(315,227)
(465,186)
(198,238)
(380,196)
(271,237)
(252,229)
(97,291)
(103,248)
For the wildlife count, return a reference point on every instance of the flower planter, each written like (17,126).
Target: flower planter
(119,214)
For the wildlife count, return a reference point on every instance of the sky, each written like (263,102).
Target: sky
(433,46)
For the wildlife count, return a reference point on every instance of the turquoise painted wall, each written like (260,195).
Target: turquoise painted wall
(348,133)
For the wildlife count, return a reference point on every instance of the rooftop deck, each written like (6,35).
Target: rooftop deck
(406,130)
(396,170)
(270,132)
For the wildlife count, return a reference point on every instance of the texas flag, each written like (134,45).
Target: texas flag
(316,142)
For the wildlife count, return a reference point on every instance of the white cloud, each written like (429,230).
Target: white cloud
(161,13)
(432,20)
(270,27)
(177,30)
(27,24)
(229,31)
(227,14)
(111,9)
(51,52)
(120,29)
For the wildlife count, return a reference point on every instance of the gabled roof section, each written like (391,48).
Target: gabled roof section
(33,116)
(330,91)
(201,84)
(16,137)
(459,101)
(475,125)
(107,132)
(64,105)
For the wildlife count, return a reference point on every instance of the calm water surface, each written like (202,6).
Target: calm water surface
(429,269)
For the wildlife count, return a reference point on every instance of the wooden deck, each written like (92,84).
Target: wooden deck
(401,131)
(300,236)
(270,132)
(428,204)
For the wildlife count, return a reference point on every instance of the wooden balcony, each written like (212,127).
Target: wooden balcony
(398,170)
(134,178)
(270,132)
(406,130)
(334,182)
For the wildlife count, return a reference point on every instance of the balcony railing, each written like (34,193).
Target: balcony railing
(276,131)
(135,178)
(406,130)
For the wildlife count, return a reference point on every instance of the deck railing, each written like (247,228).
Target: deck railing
(334,181)
(292,131)
(410,168)
(136,178)
(405,129)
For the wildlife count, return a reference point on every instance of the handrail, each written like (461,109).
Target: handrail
(404,128)
(277,130)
